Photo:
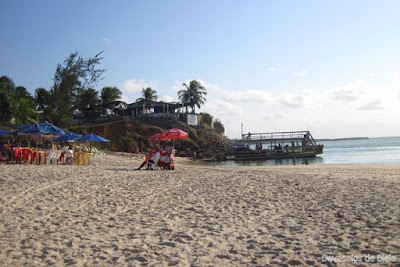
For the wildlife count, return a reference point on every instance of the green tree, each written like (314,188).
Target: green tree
(88,99)
(218,126)
(193,95)
(110,94)
(7,100)
(25,112)
(21,92)
(149,96)
(16,103)
(75,76)
(87,102)
(42,99)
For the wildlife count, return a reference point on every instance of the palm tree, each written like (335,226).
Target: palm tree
(148,97)
(88,98)
(193,95)
(110,94)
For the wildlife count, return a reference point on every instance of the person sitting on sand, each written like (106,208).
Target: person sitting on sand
(154,159)
(151,158)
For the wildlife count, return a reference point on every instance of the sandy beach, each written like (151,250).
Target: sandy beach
(197,215)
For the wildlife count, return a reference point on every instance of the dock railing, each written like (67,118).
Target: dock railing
(277,136)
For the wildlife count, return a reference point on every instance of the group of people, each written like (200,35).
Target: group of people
(8,152)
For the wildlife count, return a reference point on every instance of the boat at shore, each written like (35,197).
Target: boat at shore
(275,145)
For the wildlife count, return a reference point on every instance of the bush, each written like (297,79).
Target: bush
(218,126)
(206,119)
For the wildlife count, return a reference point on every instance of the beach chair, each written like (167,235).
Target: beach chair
(17,154)
(69,156)
(39,156)
(97,158)
(62,157)
(52,157)
(88,158)
(27,155)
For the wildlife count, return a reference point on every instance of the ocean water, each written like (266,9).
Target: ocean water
(362,151)
(359,151)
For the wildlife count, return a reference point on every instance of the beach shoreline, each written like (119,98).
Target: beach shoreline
(198,215)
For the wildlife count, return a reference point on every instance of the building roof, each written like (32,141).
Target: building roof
(157,104)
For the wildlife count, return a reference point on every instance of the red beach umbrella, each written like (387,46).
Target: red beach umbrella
(175,133)
(158,137)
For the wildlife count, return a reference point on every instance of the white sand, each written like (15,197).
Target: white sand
(196,215)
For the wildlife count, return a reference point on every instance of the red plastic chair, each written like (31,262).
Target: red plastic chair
(35,156)
(17,154)
(27,155)
(62,157)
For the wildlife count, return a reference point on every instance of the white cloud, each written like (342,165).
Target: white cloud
(168,98)
(351,92)
(346,110)
(396,77)
(247,96)
(301,73)
(177,86)
(135,85)
(131,88)
(295,100)
(271,69)
(273,116)
(210,87)
(222,109)
(105,40)
(346,95)
(374,104)
(125,99)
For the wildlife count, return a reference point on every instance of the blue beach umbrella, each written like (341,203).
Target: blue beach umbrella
(21,126)
(69,137)
(4,132)
(41,128)
(92,138)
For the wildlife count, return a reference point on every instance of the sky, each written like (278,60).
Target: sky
(330,67)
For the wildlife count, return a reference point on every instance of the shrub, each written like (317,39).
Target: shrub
(206,119)
(218,126)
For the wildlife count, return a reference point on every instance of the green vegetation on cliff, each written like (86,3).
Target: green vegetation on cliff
(132,136)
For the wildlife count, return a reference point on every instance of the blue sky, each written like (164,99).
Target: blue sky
(332,67)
